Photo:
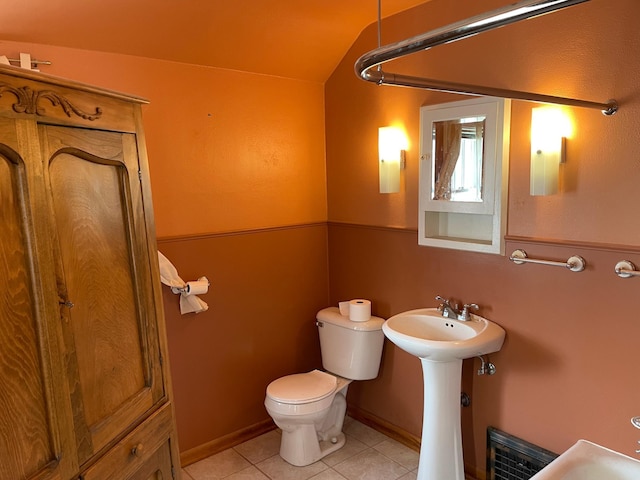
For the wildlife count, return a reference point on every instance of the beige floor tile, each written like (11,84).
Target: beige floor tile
(410,476)
(260,448)
(399,453)
(370,465)
(218,466)
(277,469)
(185,475)
(251,473)
(351,447)
(365,434)
(366,455)
(329,474)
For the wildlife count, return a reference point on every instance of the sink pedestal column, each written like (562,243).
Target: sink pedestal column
(441,448)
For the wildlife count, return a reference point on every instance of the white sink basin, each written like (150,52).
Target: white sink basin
(587,461)
(442,344)
(425,333)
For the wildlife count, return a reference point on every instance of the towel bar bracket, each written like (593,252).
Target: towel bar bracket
(626,269)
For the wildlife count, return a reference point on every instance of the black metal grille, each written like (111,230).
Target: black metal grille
(510,458)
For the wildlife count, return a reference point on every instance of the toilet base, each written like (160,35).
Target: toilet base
(314,433)
(304,443)
(302,449)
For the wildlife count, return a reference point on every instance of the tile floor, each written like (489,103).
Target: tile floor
(367,454)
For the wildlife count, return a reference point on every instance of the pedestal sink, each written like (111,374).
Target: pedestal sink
(441,344)
(589,461)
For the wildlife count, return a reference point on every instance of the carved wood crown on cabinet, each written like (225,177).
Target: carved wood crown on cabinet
(85,391)
(29,102)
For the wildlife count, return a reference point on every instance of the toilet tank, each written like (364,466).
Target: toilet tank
(351,350)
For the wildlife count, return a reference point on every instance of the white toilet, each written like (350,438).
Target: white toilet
(310,407)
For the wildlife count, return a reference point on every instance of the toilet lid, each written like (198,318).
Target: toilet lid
(302,387)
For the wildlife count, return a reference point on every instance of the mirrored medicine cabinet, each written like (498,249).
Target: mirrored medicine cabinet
(464,164)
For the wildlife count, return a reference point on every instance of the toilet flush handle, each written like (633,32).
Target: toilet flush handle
(319,324)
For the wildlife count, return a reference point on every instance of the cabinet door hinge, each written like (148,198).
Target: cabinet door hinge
(140,175)
(173,472)
(161,359)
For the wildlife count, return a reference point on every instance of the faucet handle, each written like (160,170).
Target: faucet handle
(464,314)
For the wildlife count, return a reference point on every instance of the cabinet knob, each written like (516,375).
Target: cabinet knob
(137,450)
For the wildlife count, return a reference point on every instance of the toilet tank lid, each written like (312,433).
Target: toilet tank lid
(332,315)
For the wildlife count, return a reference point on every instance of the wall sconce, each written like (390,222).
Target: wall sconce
(392,145)
(549,129)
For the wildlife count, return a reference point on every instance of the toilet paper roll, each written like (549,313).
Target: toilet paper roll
(344,308)
(198,287)
(359,310)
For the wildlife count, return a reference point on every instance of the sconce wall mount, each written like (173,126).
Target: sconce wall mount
(549,131)
(391,158)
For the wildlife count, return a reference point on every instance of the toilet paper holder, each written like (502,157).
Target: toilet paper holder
(197,287)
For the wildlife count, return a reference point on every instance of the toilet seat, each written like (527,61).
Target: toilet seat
(302,388)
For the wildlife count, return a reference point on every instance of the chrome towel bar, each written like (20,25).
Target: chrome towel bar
(575,263)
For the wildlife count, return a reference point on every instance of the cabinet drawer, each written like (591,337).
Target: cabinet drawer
(134,451)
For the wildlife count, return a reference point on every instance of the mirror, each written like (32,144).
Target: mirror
(464,150)
(458,159)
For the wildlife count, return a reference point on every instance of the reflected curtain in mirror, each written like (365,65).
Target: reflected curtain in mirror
(447,142)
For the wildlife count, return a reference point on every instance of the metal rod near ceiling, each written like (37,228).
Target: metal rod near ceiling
(523,10)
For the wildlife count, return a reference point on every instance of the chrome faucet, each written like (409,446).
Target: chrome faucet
(447,310)
(451,311)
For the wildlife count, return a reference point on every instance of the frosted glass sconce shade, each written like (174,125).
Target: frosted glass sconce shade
(391,147)
(549,128)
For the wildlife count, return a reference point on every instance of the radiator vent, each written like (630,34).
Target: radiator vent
(510,458)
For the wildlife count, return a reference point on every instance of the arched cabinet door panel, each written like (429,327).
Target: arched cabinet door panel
(110,338)
(30,438)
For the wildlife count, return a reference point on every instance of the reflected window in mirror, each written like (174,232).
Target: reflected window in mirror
(458,147)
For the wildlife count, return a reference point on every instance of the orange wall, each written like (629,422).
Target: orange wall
(567,370)
(238,178)
(228,150)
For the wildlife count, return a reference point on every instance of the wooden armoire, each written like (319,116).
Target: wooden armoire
(85,391)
